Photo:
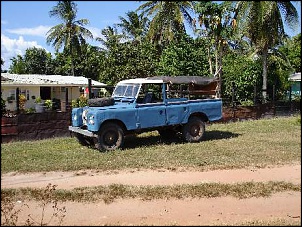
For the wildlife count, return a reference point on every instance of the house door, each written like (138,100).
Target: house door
(45,93)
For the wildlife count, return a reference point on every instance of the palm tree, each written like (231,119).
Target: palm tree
(262,23)
(168,18)
(135,27)
(70,34)
(218,28)
(110,38)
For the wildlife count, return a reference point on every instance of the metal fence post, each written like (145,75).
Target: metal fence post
(89,88)
(17,100)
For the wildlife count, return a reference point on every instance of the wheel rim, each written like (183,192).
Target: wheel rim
(110,138)
(195,130)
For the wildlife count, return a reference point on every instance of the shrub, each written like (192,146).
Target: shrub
(38,100)
(79,102)
(22,101)
(48,104)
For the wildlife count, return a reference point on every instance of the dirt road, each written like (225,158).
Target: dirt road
(213,211)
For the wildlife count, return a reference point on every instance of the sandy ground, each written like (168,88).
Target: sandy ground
(213,211)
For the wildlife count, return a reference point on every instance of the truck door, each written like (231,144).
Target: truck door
(176,113)
(151,115)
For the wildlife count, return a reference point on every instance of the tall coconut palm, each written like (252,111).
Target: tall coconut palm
(167,18)
(134,26)
(262,23)
(70,34)
(111,38)
(216,26)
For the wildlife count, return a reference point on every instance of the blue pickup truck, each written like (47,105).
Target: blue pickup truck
(175,106)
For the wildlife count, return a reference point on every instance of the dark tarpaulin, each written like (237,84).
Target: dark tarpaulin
(200,80)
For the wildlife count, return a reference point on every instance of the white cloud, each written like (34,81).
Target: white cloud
(36,31)
(96,32)
(12,47)
(3,22)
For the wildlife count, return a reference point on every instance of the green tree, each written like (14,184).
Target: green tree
(262,23)
(111,38)
(135,26)
(184,57)
(128,60)
(34,61)
(88,64)
(243,73)
(218,28)
(38,61)
(292,49)
(167,18)
(18,65)
(2,63)
(70,34)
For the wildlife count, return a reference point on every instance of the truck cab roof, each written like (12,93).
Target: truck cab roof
(141,81)
(199,80)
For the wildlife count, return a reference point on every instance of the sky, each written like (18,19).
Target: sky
(24,24)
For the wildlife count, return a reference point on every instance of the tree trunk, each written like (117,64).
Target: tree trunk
(220,71)
(210,61)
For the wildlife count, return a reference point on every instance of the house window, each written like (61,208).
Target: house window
(25,93)
(12,94)
(63,89)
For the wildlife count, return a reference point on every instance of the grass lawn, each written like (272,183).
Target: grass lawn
(256,143)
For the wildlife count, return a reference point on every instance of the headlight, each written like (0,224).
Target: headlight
(91,120)
(84,117)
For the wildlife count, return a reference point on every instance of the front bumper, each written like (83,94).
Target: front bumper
(82,131)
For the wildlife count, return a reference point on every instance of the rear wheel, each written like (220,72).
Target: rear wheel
(194,130)
(110,137)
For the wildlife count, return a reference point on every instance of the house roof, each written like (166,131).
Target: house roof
(46,80)
(295,77)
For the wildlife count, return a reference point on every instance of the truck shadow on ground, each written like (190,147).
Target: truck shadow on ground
(136,141)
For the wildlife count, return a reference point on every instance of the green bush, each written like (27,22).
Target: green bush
(247,102)
(79,102)
(48,104)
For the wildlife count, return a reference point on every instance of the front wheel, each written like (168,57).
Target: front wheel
(110,137)
(194,130)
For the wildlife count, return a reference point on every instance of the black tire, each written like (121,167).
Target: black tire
(194,130)
(111,137)
(84,140)
(99,102)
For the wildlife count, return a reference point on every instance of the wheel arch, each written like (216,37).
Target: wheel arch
(200,115)
(115,121)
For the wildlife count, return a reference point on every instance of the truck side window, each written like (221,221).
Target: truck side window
(150,93)
(148,97)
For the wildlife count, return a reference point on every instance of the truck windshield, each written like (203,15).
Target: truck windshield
(126,90)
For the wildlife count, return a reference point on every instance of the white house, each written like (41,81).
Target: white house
(45,86)
(295,84)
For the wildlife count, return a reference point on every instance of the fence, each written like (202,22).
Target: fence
(36,126)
